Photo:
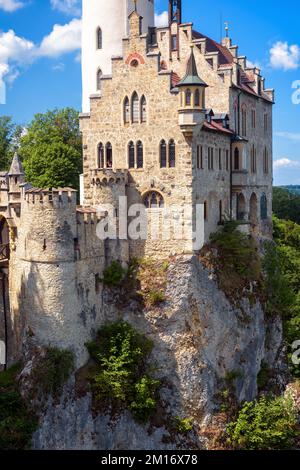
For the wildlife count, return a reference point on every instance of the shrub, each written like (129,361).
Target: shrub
(236,261)
(156,297)
(113,274)
(266,424)
(16,422)
(53,370)
(183,426)
(122,374)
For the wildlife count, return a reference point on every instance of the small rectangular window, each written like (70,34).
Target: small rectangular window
(266,123)
(220,159)
(210,158)
(200,157)
(253,119)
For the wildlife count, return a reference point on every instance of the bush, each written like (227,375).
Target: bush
(53,370)
(122,375)
(16,422)
(183,426)
(156,297)
(266,424)
(113,274)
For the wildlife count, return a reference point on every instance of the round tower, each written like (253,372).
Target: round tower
(104,25)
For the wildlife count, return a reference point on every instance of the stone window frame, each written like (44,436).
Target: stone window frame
(200,160)
(99,38)
(98,79)
(244,120)
(211,156)
(135,160)
(126,110)
(170,153)
(149,196)
(266,161)
(253,159)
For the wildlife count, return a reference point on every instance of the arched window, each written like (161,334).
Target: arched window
(99,76)
(236,159)
(100,156)
(140,154)
(266,161)
(153,200)
(163,154)
(172,154)
(143,109)
(205,210)
(240,207)
(197,97)
(188,97)
(220,212)
(131,159)
(126,110)
(109,155)
(263,207)
(99,38)
(135,108)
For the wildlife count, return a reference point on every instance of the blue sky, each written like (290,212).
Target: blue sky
(40,60)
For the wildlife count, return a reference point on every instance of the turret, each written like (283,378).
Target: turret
(104,25)
(192,97)
(16,177)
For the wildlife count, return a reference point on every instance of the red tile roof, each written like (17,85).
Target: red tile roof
(225,56)
(216,127)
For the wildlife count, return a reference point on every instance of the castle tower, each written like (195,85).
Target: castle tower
(104,25)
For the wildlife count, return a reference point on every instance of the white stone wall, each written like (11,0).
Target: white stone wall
(112,17)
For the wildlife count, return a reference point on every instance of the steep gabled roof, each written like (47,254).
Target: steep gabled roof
(16,168)
(191,76)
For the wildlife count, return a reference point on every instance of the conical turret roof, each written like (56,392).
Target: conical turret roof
(16,168)
(191,76)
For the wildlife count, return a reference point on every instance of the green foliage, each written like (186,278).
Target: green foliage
(233,375)
(156,297)
(279,294)
(16,422)
(287,237)
(122,375)
(266,424)
(113,274)
(183,426)
(53,370)
(9,136)
(237,263)
(263,376)
(286,204)
(51,149)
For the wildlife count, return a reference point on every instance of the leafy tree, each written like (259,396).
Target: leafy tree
(266,424)
(286,204)
(52,150)
(121,374)
(7,133)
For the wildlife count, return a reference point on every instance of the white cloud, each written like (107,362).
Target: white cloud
(285,57)
(62,39)
(60,67)
(289,135)
(285,163)
(10,5)
(70,7)
(162,19)
(17,52)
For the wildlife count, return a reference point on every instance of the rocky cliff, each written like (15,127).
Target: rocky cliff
(201,341)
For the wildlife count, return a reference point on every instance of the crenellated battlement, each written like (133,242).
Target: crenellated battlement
(56,197)
(106,176)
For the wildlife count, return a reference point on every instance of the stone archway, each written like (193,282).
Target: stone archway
(253,215)
(241,207)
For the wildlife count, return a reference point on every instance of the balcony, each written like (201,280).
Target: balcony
(240,178)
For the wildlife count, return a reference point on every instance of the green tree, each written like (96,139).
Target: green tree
(7,132)
(286,204)
(52,150)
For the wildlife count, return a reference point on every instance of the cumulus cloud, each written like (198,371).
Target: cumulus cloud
(162,19)
(295,136)
(10,5)
(285,57)
(62,39)
(17,52)
(70,7)
(285,163)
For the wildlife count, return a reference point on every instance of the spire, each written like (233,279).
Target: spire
(16,168)
(191,76)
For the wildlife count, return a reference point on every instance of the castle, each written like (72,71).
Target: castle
(170,118)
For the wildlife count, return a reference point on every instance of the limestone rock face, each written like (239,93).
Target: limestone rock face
(200,339)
